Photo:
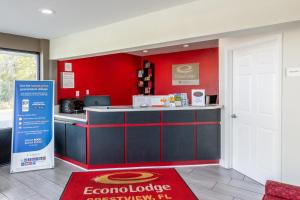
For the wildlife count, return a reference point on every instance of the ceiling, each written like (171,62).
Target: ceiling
(22,17)
(177,48)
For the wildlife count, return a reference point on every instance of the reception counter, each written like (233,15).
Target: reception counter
(122,136)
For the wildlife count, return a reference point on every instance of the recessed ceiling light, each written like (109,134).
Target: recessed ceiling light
(145,51)
(186,45)
(46,11)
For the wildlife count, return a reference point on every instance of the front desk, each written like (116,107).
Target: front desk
(128,137)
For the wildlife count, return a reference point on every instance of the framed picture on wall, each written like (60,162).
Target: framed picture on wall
(185,74)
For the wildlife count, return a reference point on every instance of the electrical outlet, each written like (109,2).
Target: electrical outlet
(77,93)
(87,92)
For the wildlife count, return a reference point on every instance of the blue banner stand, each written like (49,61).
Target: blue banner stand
(33,126)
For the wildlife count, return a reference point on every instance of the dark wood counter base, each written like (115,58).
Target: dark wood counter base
(141,139)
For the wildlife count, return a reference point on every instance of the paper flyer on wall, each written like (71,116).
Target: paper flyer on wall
(33,126)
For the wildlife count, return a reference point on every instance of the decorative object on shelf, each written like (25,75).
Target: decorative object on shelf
(185,74)
(141,84)
(146,78)
(147,64)
(147,90)
(140,73)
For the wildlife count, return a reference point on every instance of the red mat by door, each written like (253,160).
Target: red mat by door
(148,184)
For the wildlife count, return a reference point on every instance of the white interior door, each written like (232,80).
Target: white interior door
(257,110)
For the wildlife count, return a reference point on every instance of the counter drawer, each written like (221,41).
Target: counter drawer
(143,144)
(106,145)
(209,115)
(76,143)
(60,138)
(141,117)
(5,147)
(208,142)
(178,116)
(106,117)
(178,143)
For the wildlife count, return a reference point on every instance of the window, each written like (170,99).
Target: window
(14,65)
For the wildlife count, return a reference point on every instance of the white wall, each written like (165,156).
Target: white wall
(22,43)
(290,100)
(197,19)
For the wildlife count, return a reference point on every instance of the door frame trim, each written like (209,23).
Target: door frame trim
(227,100)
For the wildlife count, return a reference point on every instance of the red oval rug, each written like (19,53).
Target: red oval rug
(148,184)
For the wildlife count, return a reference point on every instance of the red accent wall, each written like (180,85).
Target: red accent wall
(113,75)
(209,70)
(116,74)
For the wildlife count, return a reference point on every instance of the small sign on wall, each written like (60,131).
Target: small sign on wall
(293,71)
(68,67)
(67,80)
(185,74)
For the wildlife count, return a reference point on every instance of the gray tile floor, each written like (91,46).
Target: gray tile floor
(207,182)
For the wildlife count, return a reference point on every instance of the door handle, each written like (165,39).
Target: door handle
(233,116)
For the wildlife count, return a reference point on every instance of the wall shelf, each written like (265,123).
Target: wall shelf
(146,78)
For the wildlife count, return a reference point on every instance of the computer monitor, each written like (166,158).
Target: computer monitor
(96,100)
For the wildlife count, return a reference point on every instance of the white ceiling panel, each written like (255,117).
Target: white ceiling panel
(23,18)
